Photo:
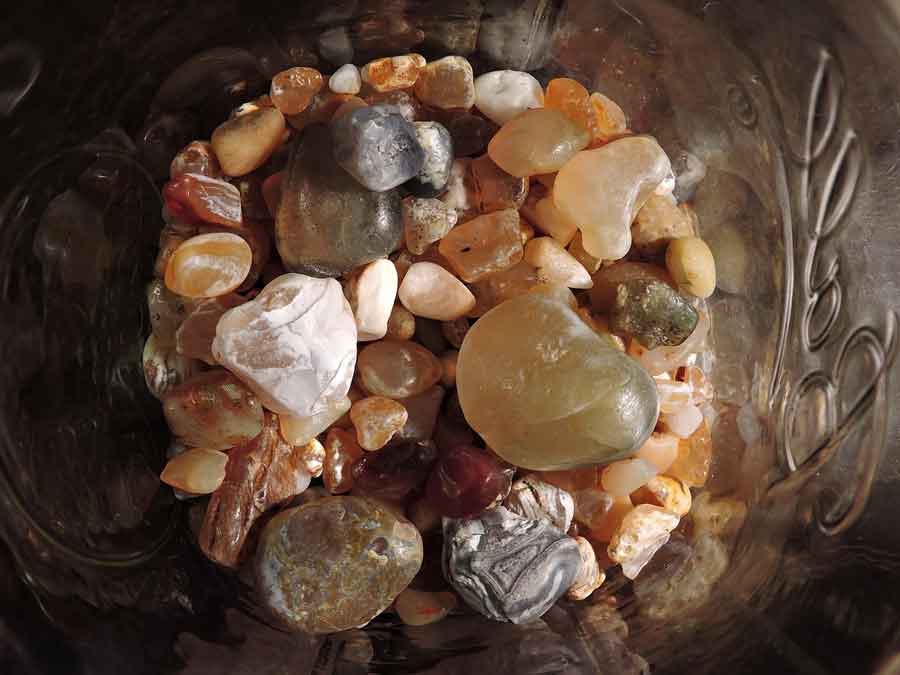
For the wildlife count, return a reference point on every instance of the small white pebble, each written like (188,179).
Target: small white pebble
(684,421)
(503,94)
(430,291)
(555,265)
(622,478)
(346,80)
(642,533)
(371,294)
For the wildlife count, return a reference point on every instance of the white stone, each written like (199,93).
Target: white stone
(503,94)
(164,367)
(345,80)
(371,293)
(643,531)
(430,291)
(589,578)
(622,478)
(294,345)
(684,421)
(555,265)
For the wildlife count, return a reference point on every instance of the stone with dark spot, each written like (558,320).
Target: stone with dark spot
(653,312)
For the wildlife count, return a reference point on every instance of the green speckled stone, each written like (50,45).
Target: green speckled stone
(335,563)
(653,312)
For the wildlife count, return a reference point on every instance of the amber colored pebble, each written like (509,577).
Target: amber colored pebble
(196,471)
(484,245)
(393,72)
(574,101)
(423,412)
(401,323)
(200,199)
(209,265)
(294,89)
(694,458)
(447,83)
(397,369)
(341,451)
(669,493)
(576,248)
(607,280)
(312,457)
(572,480)
(348,106)
(536,142)
(245,143)
(376,420)
(455,331)
(196,333)
(196,157)
(602,529)
(170,238)
(502,286)
(494,188)
(609,119)
(321,109)
(301,430)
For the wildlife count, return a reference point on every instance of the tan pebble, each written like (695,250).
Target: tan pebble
(666,492)
(694,458)
(448,361)
(209,265)
(425,221)
(196,333)
(660,450)
(371,291)
(393,72)
(673,394)
(624,477)
(197,471)
(526,231)
(484,245)
(420,608)
(245,143)
(610,120)
(537,141)
(692,266)
(660,221)
(447,83)
(293,89)
(348,106)
(589,578)
(312,457)
(302,430)
(494,188)
(589,262)
(642,533)
(430,291)
(376,420)
(196,157)
(607,522)
(165,368)
(555,265)
(401,324)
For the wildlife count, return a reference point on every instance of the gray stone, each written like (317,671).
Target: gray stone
(536,500)
(653,312)
(328,224)
(437,144)
(377,146)
(507,567)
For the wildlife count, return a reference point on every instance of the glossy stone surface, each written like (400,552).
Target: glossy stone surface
(610,120)
(506,567)
(555,265)
(546,392)
(422,410)
(447,83)
(393,72)
(660,221)
(641,534)
(652,312)
(213,410)
(335,563)
(209,265)
(377,146)
(341,452)
(466,481)
(196,333)
(376,419)
(534,499)
(371,291)
(537,141)
(589,578)
(503,94)
(301,430)
(309,335)
(294,89)
(329,224)
(694,458)
(196,198)
(571,98)
(245,143)
(494,188)
(196,471)
(484,245)
(196,157)
(394,472)
(502,286)
(397,369)
(430,291)
(164,368)
(607,280)
(436,143)
(425,221)
(345,80)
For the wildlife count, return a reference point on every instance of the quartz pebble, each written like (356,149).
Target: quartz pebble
(610,120)
(397,369)
(494,188)
(534,499)
(692,266)
(608,278)
(377,147)
(371,293)
(537,141)
(196,333)
(425,221)
(504,94)
(571,98)
(660,450)
(546,217)
(684,421)
(423,411)
(447,83)
(653,313)
(348,106)
(625,172)
(546,392)
(312,457)
(341,452)
(665,492)
(576,248)
(509,568)
(466,481)
(436,143)
(167,311)
(198,158)
(329,224)
(376,420)
(196,471)
(624,477)
(200,199)
(642,533)
(309,335)
(420,608)
(394,472)
(660,221)
(302,430)
(401,324)
(430,291)
(245,143)
(164,368)
(213,410)
(555,265)
(605,525)
(694,458)
(484,245)
(673,394)
(393,72)
(345,80)
(589,578)
(407,105)
(294,89)
(335,563)
(499,287)
(209,265)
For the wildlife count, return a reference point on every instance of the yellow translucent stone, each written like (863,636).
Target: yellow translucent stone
(209,265)
(484,245)
(537,141)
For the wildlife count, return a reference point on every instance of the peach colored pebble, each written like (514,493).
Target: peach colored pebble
(419,608)
(660,450)
(393,72)
(624,477)
(245,143)
(555,265)
(209,265)
(430,291)
(609,118)
(376,420)
(294,89)
(401,323)
(301,430)
(665,492)
(197,471)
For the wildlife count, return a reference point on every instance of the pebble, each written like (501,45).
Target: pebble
(312,457)
(448,362)
(537,141)
(345,80)
(406,104)
(167,310)
(660,450)
(209,265)
(197,157)
(376,420)
(589,578)
(213,410)
(673,394)
(625,172)
(622,478)
(692,266)
(731,252)
(377,146)
(460,195)
(684,421)
(196,333)
(546,217)
(642,533)
(509,568)
(245,143)
(569,97)
(610,120)
(465,481)
(194,198)
(196,471)
(293,89)
(401,324)
(484,245)
(393,72)
(555,265)
(605,525)
(394,472)
(423,412)
(371,292)
(534,499)
(663,359)
(608,278)
(653,313)
(341,452)
(455,331)
(499,287)
(309,335)
(430,291)
(447,83)
(397,369)
(420,608)
(348,106)
(576,248)
(546,392)
(321,110)
(328,224)
(503,94)
(660,221)
(335,563)
(271,190)
(494,188)
(667,493)
(437,144)
(164,368)
(470,133)
(425,221)
(694,458)
(302,430)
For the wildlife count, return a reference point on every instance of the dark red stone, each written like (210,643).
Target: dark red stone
(465,481)
(392,473)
